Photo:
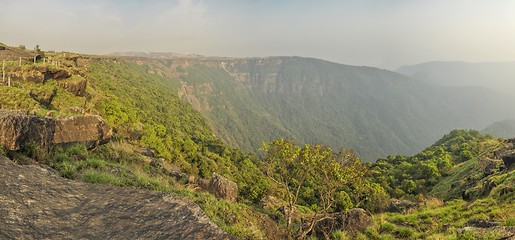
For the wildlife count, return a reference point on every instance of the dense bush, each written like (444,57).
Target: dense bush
(403,176)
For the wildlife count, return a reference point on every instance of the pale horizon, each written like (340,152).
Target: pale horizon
(384,34)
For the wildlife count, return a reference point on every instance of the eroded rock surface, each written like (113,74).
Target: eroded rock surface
(18,129)
(36,204)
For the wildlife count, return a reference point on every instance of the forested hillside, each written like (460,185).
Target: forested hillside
(375,112)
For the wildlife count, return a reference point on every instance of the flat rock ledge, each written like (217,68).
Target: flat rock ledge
(37,204)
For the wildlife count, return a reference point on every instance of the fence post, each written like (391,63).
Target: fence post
(3,71)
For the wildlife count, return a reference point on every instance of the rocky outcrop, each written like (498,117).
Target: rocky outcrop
(488,165)
(18,129)
(37,74)
(222,187)
(509,160)
(357,219)
(36,204)
(89,129)
(507,153)
(78,88)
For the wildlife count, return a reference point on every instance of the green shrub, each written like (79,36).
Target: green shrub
(404,232)
(386,227)
(467,235)
(95,163)
(510,221)
(2,150)
(339,235)
(34,151)
(372,233)
(343,201)
(67,169)
(92,176)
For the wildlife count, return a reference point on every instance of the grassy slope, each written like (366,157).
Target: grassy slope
(137,102)
(444,213)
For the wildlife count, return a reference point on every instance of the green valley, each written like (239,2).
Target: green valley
(372,111)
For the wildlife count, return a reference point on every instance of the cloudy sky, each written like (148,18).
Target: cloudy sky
(381,33)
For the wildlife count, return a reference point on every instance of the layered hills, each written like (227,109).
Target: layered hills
(495,75)
(373,111)
(502,129)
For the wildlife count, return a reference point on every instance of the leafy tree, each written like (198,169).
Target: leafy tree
(311,170)
(38,50)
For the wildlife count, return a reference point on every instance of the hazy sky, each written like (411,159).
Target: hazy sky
(381,33)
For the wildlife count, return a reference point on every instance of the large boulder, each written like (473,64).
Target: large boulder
(222,187)
(89,129)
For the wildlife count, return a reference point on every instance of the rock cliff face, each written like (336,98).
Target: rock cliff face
(36,204)
(18,129)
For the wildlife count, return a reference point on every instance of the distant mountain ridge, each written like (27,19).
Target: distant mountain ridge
(157,55)
(504,129)
(499,76)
